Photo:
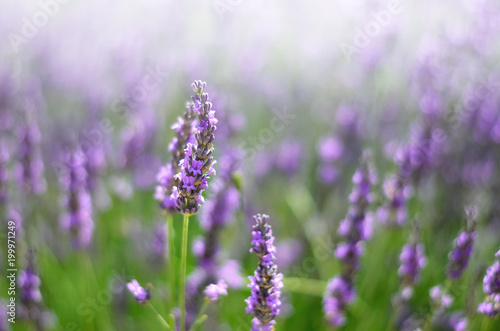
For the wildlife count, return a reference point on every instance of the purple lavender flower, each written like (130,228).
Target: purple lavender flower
(439,297)
(459,257)
(29,284)
(458,323)
(354,230)
(491,286)
(4,173)
(394,211)
(188,192)
(339,294)
(95,163)
(289,157)
(330,150)
(214,291)
(412,261)
(78,221)
(30,167)
(230,272)
(266,283)
(141,295)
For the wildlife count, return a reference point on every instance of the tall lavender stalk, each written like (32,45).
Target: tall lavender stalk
(30,167)
(197,165)
(30,296)
(167,180)
(192,180)
(266,283)
(413,160)
(412,261)
(78,219)
(460,255)
(354,229)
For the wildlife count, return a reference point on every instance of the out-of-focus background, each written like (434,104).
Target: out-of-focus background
(301,89)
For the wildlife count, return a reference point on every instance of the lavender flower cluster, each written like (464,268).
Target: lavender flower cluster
(198,163)
(266,283)
(78,219)
(460,255)
(355,229)
(412,260)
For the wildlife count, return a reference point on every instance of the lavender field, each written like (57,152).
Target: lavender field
(250,165)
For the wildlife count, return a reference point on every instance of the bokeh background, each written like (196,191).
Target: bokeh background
(338,77)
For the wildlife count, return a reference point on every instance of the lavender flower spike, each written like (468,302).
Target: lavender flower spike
(459,257)
(78,220)
(491,286)
(4,174)
(412,261)
(141,295)
(354,229)
(198,162)
(214,291)
(29,284)
(266,283)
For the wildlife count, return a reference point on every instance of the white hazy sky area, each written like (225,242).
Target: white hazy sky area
(77,44)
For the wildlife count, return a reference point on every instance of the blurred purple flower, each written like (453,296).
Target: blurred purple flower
(30,167)
(4,173)
(287,252)
(460,255)
(330,149)
(78,220)
(29,286)
(289,157)
(458,323)
(141,295)
(214,291)
(230,272)
(439,297)
(339,294)
(340,291)
(412,261)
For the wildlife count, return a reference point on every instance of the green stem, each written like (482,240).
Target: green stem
(162,321)
(201,317)
(171,261)
(182,296)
